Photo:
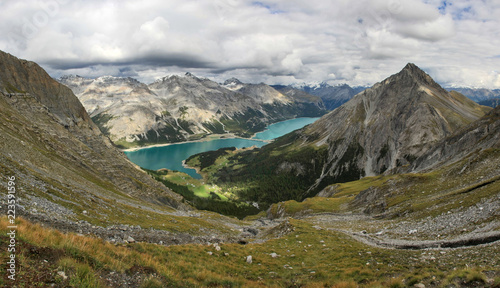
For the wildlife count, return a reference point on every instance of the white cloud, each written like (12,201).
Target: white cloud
(358,42)
(441,28)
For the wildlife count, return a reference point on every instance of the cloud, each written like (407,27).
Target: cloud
(441,28)
(269,41)
(154,30)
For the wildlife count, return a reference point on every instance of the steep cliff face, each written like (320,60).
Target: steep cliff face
(179,108)
(17,77)
(59,156)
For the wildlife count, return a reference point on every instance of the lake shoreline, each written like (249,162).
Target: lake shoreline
(211,137)
(172,156)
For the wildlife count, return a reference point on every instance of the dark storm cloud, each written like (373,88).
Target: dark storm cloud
(178,60)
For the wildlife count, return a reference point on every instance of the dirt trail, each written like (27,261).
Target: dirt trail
(460,242)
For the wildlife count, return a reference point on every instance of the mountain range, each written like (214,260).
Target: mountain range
(332,96)
(335,96)
(179,108)
(397,187)
(492,102)
(477,94)
(380,130)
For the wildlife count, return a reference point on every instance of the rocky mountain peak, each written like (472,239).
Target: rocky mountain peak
(69,77)
(412,67)
(191,77)
(414,73)
(388,125)
(167,78)
(232,81)
(58,98)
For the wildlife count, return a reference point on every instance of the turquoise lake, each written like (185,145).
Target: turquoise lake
(171,156)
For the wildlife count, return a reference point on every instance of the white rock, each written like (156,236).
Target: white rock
(130,239)
(274,255)
(249,259)
(62,274)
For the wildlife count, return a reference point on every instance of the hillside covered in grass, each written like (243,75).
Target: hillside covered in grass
(305,256)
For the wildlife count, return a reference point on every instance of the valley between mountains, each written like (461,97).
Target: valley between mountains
(397,187)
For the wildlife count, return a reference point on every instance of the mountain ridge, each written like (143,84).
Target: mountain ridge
(51,145)
(179,108)
(420,93)
(332,96)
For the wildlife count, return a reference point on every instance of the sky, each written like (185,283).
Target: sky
(275,42)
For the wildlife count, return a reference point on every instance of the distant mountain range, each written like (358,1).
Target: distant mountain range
(493,102)
(477,94)
(335,96)
(332,96)
(180,108)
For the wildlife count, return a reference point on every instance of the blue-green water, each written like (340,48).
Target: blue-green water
(171,156)
(279,129)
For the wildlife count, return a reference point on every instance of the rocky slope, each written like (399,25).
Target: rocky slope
(262,93)
(122,107)
(179,108)
(62,163)
(479,136)
(448,197)
(390,125)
